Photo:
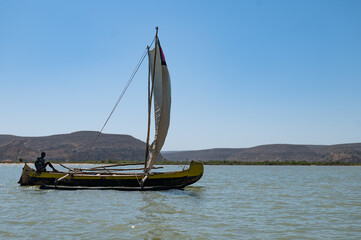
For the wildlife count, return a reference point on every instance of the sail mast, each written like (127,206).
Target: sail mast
(150,96)
(161,98)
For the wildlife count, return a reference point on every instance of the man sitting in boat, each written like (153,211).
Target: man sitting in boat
(40,164)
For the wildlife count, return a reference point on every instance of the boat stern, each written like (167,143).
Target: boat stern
(25,175)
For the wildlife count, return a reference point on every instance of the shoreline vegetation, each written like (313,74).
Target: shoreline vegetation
(211,162)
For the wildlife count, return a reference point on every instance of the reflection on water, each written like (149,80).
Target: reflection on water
(155,214)
(229,202)
(163,209)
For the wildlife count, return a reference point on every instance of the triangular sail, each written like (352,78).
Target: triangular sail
(162,102)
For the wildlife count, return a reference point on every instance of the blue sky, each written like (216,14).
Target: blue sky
(244,73)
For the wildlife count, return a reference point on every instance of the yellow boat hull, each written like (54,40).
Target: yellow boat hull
(129,181)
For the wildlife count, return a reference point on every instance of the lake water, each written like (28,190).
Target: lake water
(229,202)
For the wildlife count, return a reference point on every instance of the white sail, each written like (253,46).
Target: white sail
(162,102)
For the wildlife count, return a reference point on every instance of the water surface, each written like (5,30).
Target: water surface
(229,202)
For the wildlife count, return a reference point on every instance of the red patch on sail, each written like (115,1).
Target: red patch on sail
(162,58)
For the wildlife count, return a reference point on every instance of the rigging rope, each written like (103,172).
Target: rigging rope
(120,97)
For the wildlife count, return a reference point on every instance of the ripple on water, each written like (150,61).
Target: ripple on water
(230,202)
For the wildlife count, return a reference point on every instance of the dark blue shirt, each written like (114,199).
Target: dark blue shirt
(39,164)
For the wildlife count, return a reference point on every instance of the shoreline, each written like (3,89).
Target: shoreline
(216,163)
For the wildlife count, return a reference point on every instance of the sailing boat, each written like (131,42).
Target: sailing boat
(109,177)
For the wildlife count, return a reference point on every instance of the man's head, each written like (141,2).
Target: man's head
(43,154)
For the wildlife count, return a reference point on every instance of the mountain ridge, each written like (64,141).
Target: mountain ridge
(74,147)
(344,153)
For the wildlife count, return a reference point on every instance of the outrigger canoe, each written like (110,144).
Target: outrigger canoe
(104,177)
(107,180)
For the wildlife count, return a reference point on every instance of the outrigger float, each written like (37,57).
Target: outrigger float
(108,177)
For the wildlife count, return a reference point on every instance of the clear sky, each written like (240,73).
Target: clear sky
(244,73)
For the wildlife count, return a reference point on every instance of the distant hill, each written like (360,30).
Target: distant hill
(116,147)
(72,147)
(201,155)
(344,153)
